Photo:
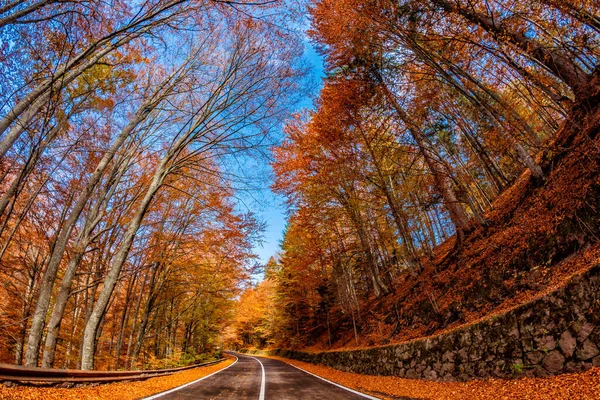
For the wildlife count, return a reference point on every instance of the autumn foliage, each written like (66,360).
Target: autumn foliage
(450,167)
(122,128)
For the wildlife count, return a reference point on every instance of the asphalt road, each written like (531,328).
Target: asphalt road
(261,378)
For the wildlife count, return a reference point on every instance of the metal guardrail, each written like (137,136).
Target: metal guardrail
(19,373)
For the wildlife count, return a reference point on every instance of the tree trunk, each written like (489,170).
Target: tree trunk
(135,318)
(58,311)
(123,322)
(92,219)
(22,12)
(145,317)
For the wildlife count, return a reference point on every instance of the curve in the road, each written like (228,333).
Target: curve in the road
(251,378)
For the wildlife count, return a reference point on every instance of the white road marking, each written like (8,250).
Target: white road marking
(264,379)
(156,396)
(336,384)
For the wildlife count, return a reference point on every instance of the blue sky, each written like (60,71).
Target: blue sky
(273,212)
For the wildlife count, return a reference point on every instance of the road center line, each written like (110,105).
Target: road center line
(156,396)
(336,384)
(262,384)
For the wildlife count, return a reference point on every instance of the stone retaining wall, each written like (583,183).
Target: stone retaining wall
(557,333)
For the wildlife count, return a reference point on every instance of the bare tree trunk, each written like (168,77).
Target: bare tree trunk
(25,310)
(17,13)
(88,305)
(57,313)
(354,328)
(76,314)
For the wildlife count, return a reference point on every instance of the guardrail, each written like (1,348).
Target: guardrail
(19,373)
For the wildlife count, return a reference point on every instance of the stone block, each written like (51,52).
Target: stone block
(447,369)
(466,338)
(476,354)
(546,343)
(534,357)
(535,372)
(554,362)
(463,354)
(572,366)
(583,330)
(567,344)
(411,374)
(514,332)
(431,374)
(587,351)
(449,356)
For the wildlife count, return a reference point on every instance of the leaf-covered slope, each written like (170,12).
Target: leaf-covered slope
(537,236)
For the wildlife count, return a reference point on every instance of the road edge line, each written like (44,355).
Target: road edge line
(264,379)
(166,392)
(367,396)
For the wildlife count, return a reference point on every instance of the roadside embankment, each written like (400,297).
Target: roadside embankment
(556,333)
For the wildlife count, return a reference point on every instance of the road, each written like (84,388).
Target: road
(260,378)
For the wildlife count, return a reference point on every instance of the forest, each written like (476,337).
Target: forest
(123,125)
(447,170)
